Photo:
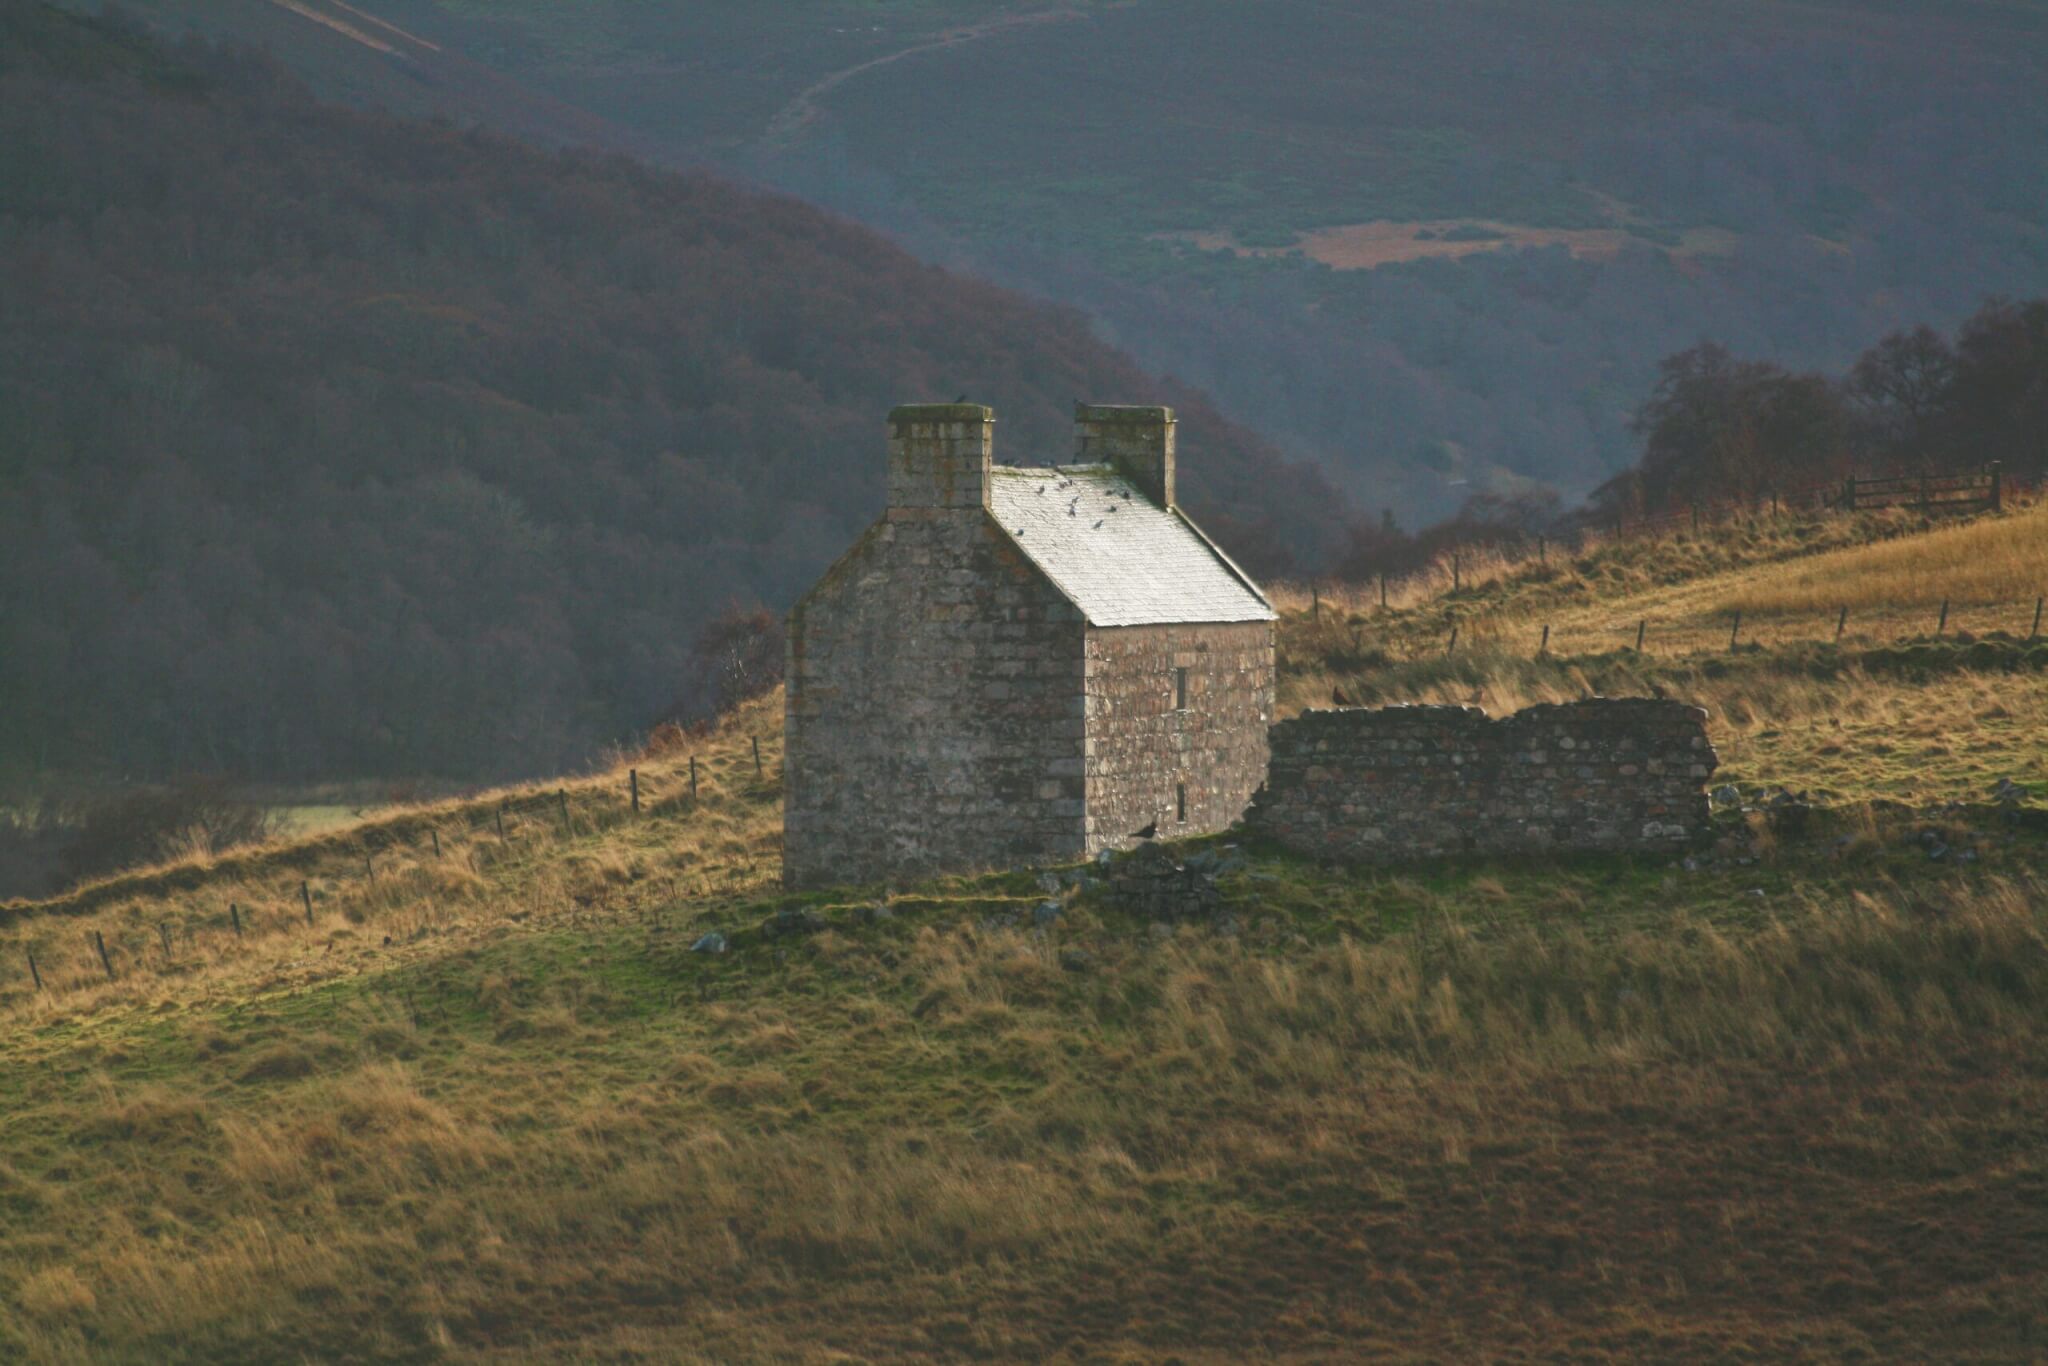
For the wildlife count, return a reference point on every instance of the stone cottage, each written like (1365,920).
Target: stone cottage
(1019,665)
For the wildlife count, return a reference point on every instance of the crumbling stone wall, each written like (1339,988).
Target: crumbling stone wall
(934,719)
(1146,751)
(1382,785)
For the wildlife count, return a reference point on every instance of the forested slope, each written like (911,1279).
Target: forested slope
(1437,245)
(336,444)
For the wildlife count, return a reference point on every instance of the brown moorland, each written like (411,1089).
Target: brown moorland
(1781,1101)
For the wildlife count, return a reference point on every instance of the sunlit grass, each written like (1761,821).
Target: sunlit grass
(491,1106)
(1992,560)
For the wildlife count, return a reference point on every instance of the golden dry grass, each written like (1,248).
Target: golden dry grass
(1889,709)
(380,894)
(1779,1108)
(923,1139)
(1993,560)
(1789,577)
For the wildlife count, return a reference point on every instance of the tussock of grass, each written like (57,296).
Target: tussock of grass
(808,1160)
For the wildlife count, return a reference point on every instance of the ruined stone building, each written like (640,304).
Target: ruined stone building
(1020,665)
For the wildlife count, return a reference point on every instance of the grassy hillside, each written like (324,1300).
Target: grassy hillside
(1873,704)
(1780,1100)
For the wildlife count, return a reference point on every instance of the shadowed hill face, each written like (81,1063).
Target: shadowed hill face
(1435,244)
(339,444)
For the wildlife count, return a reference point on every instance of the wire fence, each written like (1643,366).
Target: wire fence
(391,858)
(2010,623)
(1472,564)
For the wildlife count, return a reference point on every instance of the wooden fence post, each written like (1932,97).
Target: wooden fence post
(757,756)
(633,783)
(306,895)
(1454,641)
(1544,648)
(1997,492)
(1315,603)
(1383,590)
(693,777)
(1542,551)
(562,804)
(2035,634)
(1641,627)
(1841,621)
(1849,492)
(1942,625)
(100,942)
(235,918)
(33,971)
(437,842)
(1735,630)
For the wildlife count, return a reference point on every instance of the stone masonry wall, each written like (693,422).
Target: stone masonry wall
(1381,785)
(1142,746)
(935,715)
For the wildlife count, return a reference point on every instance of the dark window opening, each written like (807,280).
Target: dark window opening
(1180,689)
(1180,801)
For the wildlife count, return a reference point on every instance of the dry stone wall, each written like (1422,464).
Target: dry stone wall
(1388,784)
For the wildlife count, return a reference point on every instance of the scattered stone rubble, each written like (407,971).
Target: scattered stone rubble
(1155,883)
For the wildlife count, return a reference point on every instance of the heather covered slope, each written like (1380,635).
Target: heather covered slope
(1779,1101)
(1437,244)
(339,445)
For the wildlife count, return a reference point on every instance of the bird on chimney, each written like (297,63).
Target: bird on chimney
(961,399)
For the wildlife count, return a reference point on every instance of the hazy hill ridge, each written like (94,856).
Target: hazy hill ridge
(342,444)
(1436,244)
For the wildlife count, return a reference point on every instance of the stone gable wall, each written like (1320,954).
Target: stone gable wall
(936,713)
(1383,785)
(1141,747)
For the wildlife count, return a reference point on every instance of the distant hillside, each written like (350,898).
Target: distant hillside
(336,444)
(1435,244)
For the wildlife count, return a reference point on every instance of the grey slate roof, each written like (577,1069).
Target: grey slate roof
(1119,557)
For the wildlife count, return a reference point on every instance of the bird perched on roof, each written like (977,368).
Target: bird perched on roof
(1150,832)
(1097,526)
(961,399)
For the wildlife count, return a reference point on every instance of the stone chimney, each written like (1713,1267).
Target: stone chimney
(939,454)
(1137,440)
